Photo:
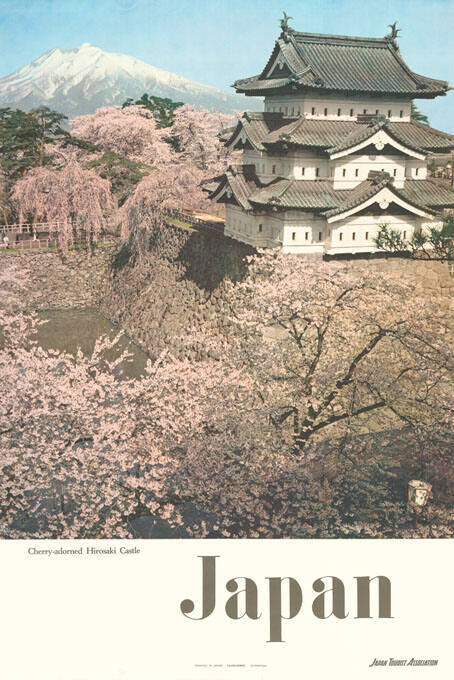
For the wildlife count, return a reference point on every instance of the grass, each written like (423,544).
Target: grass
(180,223)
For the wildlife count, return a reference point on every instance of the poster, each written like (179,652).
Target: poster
(255,480)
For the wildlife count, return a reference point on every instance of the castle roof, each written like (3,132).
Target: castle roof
(268,131)
(241,185)
(337,63)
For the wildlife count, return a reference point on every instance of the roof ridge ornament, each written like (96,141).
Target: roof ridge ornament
(286,29)
(392,37)
(379,176)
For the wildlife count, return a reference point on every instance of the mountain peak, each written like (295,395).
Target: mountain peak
(88,46)
(80,80)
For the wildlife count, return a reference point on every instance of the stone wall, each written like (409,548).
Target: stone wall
(158,303)
(432,278)
(62,281)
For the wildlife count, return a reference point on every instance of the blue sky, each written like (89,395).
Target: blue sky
(218,41)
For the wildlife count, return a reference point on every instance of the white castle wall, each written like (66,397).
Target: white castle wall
(346,172)
(356,233)
(314,106)
(298,232)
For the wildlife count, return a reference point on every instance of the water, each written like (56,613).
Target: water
(67,330)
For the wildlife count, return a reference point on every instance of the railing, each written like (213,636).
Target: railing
(30,244)
(190,218)
(29,227)
(40,235)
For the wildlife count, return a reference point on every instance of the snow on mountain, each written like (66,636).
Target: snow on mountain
(80,80)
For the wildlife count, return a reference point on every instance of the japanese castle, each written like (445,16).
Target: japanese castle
(335,153)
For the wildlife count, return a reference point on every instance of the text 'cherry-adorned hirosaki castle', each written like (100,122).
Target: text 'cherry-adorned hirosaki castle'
(335,152)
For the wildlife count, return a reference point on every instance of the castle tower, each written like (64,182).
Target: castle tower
(335,153)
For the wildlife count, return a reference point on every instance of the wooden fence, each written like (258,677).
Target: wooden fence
(30,228)
(30,244)
(196,221)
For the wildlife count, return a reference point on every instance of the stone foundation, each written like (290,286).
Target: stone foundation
(60,281)
(158,302)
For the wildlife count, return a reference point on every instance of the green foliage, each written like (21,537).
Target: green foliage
(162,108)
(433,243)
(50,129)
(123,173)
(431,167)
(417,115)
(19,142)
(24,136)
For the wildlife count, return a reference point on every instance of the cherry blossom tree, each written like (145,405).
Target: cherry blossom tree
(84,451)
(328,345)
(174,186)
(352,392)
(131,132)
(195,135)
(325,392)
(74,201)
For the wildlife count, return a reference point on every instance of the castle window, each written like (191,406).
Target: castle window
(329,232)
(306,236)
(353,235)
(340,236)
(286,110)
(293,110)
(302,171)
(273,169)
(377,111)
(293,235)
(356,172)
(352,111)
(317,172)
(401,114)
(260,227)
(367,235)
(395,172)
(389,113)
(313,111)
(364,111)
(417,172)
(344,172)
(405,234)
(319,235)
(326,112)
(338,112)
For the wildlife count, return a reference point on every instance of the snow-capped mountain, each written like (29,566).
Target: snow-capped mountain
(80,80)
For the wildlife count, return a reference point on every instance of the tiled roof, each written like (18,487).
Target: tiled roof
(242,182)
(421,136)
(256,127)
(427,192)
(354,197)
(265,130)
(319,195)
(310,132)
(340,64)
(288,193)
